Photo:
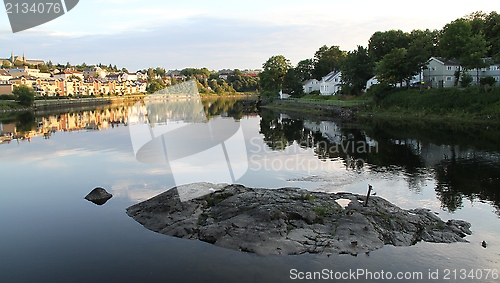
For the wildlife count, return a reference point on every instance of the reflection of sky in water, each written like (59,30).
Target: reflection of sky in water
(47,226)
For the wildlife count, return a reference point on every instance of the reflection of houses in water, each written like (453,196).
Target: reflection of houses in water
(86,120)
(9,132)
(433,154)
(332,132)
(329,130)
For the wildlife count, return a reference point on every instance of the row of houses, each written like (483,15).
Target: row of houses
(439,73)
(74,87)
(72,82)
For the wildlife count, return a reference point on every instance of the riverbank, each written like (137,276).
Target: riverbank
(469,106)
(63,103)
(345,110)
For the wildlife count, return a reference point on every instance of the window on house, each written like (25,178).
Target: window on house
(497,79)
(449,68)
(433,68)
(449,79)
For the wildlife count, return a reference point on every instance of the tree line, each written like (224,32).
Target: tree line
(393,56)
(208,82)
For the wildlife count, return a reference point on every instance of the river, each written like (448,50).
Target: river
(49,162)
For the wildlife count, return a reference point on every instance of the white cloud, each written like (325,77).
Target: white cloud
(218,34)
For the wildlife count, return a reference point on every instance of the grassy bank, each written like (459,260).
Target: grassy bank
(459,105)
(294,108)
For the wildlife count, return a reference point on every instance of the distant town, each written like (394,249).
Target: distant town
(56,80)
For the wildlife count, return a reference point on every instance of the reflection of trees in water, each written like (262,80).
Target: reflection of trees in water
(469,170)
(472,179)
(230,107)
(469,174)
(192,110)
(280,133)
(25,122)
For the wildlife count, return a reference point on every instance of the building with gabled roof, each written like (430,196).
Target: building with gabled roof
(442,73)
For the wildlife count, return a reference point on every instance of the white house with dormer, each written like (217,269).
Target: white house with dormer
(331,84)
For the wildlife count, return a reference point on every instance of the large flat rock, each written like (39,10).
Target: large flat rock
(292,221)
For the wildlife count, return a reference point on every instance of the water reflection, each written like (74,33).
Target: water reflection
(464,162)
(26,125)
(461,169)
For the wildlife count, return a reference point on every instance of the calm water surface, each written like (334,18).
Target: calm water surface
(50,233)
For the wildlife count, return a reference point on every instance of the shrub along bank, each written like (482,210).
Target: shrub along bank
(467,104)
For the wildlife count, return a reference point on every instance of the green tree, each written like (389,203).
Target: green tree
(6,64)
(292,83)
(490,81)
(43,68)
(160,72)
(489,26)
(25,95)
(474,53)
(454,40)
(423,46)
(155,85)
(357,68)
(273,74)
(382,43)
(391,69)
(305,69)
(151,74)
(327,59)
(492,35)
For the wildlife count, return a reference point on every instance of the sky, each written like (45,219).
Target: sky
(218,34)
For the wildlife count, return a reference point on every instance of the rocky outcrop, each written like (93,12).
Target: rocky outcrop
(98,196)
(293,221)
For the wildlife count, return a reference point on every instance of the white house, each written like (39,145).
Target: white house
(27,72)
(372,81)
(310,85)
(141,76)
(331,84)
(4,77)
(128,77)
(68,73)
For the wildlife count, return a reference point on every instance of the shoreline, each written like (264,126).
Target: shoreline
(50,104)
(361,113)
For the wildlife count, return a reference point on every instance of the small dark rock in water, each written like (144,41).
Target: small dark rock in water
(484,244)
(292,221)
(98,196)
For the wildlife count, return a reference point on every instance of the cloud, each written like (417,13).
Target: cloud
(138,34)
